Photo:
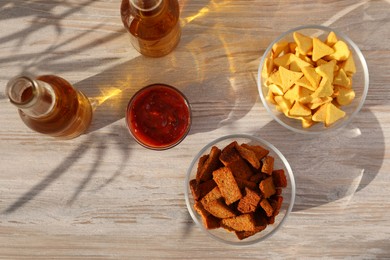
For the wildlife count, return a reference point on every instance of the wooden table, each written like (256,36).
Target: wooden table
(103,196)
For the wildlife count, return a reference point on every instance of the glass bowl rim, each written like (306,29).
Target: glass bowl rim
(260,141)
(355,48)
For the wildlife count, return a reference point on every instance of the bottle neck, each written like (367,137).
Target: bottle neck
(34,98)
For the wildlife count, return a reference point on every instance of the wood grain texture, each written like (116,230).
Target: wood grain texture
(102,196)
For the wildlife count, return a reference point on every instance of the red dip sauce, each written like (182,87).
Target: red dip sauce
(158,116)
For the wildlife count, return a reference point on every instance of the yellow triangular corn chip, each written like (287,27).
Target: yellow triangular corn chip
(304,82)
(284,104)
(312,76)
(292,94)
(345,96)
(304,43)
(320,49)
(270,97)
(333,114)
(299,110)
(307,122)
(341,51)
(320,114)
(327,70)
(316,102)
(341,79)
(324,90)
(283,60)
(292,46)
(278,47)
(349,65)
(268,67)
(331,39)
(275,78)
(276,90)
(288,77)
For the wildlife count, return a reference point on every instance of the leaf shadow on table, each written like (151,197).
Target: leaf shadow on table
(216,77)
(333,166)
(94,142)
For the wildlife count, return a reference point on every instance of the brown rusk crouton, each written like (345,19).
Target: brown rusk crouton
(219,209)
(240,169)
(268,165)
(267,187)
(209,221)
(207,168)
(229,154)
(248,155)
(244,183)
(249,202)
(227,185)
(279,178)
(200,190)
(259,150)
(244,222)
(214,194)
(267,207)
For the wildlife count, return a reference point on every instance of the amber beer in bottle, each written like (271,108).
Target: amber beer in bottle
(153,25)
(50,105)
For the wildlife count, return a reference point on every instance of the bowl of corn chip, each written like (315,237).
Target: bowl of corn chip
(312,79)
(239,189)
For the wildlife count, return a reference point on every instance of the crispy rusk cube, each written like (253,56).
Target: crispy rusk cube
(227,185)
(267,187)
(229,154)
(279,178)
(240,169)
(219,209)
(260,151)
(248,155)
(267,207)
(214,194)
(268,165)
(249,202)
(205,172)
(209,221)
(244,222)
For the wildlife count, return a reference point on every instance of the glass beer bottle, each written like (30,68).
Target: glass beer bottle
(153,25)
(50,105)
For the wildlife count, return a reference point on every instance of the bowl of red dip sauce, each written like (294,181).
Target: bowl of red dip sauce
(158,116)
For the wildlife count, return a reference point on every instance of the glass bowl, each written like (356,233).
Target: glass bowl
(360,81)
(288,193)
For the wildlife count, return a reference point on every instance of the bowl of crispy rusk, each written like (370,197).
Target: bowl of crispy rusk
(239,189)
(313,79)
